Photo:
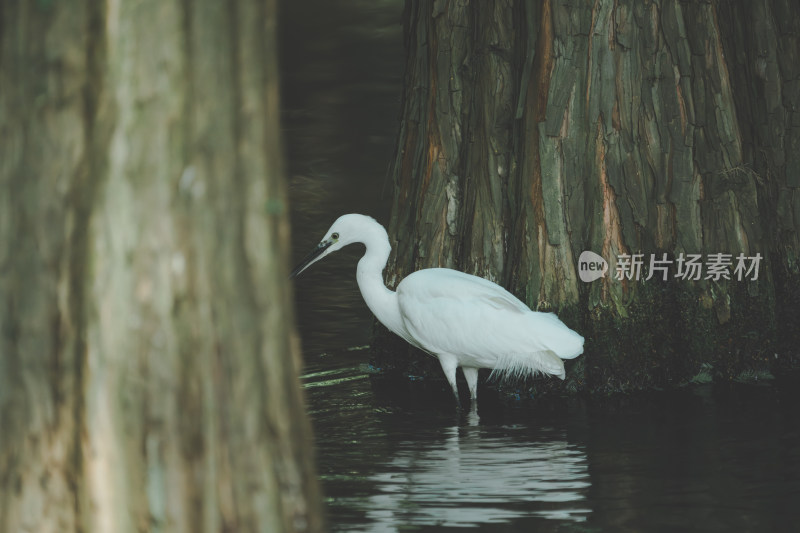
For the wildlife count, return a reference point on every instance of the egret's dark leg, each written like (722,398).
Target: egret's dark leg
(449,365)
(471,374)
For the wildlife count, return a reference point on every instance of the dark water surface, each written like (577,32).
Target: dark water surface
(706,458)
(342,66)
(703,458)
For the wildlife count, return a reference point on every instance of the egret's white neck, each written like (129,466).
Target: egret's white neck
(380,300)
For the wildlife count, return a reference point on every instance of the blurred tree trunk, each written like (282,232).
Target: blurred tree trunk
(532,131)
(148,369)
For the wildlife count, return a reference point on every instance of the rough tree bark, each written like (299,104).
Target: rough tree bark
(148,373)
(534,130)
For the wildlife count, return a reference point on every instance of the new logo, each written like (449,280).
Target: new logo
(591,266)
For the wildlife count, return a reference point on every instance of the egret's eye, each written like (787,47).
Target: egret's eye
(335,236)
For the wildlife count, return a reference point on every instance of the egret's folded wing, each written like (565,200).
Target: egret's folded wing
(448,311)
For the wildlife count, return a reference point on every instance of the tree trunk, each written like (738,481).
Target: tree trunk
(148,369)
(534,131)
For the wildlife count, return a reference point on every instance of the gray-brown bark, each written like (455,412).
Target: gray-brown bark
(148,373)
(533,131)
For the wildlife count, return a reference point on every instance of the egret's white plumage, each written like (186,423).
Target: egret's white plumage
(464,320)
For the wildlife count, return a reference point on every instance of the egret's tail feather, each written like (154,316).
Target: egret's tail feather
(515,366)
(552,334)
(570,346)
(564,343)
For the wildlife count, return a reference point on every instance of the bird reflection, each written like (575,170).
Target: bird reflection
(479,476)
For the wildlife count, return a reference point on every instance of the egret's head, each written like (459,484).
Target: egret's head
(346,230)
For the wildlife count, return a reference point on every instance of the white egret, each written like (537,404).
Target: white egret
(463,320)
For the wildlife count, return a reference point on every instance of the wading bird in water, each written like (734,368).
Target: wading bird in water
(463,320)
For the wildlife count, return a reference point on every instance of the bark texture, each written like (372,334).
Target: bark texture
(148,373)
(532,131)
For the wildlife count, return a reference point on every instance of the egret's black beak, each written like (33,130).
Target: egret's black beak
(310,258)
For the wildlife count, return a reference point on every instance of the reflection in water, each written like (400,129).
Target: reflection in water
(478,476)
(384,466)
(712,458)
